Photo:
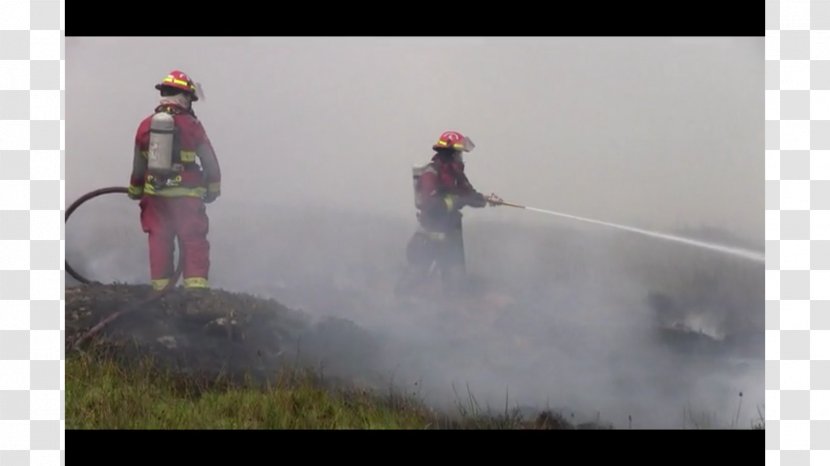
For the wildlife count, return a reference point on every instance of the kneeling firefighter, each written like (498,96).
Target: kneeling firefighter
(441,191)
(171,184)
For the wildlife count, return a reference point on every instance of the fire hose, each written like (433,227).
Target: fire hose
(154,295)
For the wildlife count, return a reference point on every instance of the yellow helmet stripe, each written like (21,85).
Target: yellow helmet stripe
(171,79)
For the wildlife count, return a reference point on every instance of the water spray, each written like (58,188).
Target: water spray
(754,256)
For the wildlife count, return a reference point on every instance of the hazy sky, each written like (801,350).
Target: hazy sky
(653,132)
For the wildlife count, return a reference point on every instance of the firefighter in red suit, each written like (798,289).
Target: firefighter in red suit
(441,191)
(175,173)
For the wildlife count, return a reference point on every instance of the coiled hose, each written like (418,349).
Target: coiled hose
(154,295)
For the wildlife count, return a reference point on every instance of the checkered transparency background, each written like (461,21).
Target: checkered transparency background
(797,182)
(798,232)
(31,232)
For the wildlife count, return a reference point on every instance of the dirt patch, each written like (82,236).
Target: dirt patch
(215,332)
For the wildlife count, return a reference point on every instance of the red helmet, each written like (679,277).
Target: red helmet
(454,140)
(179,80)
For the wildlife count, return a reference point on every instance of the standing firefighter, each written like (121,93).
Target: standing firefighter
(441,190)
(172,186)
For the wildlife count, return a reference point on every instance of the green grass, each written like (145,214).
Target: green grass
(103,394)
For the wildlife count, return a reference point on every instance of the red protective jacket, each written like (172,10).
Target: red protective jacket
(191,143)
(443,189)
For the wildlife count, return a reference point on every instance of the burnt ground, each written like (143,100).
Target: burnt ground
(214,332)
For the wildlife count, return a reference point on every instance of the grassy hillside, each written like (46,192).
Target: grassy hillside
(232,361)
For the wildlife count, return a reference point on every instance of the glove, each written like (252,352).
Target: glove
(210,197)
(494,200)
(135,192)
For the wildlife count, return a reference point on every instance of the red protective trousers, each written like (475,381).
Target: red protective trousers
(165,218)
